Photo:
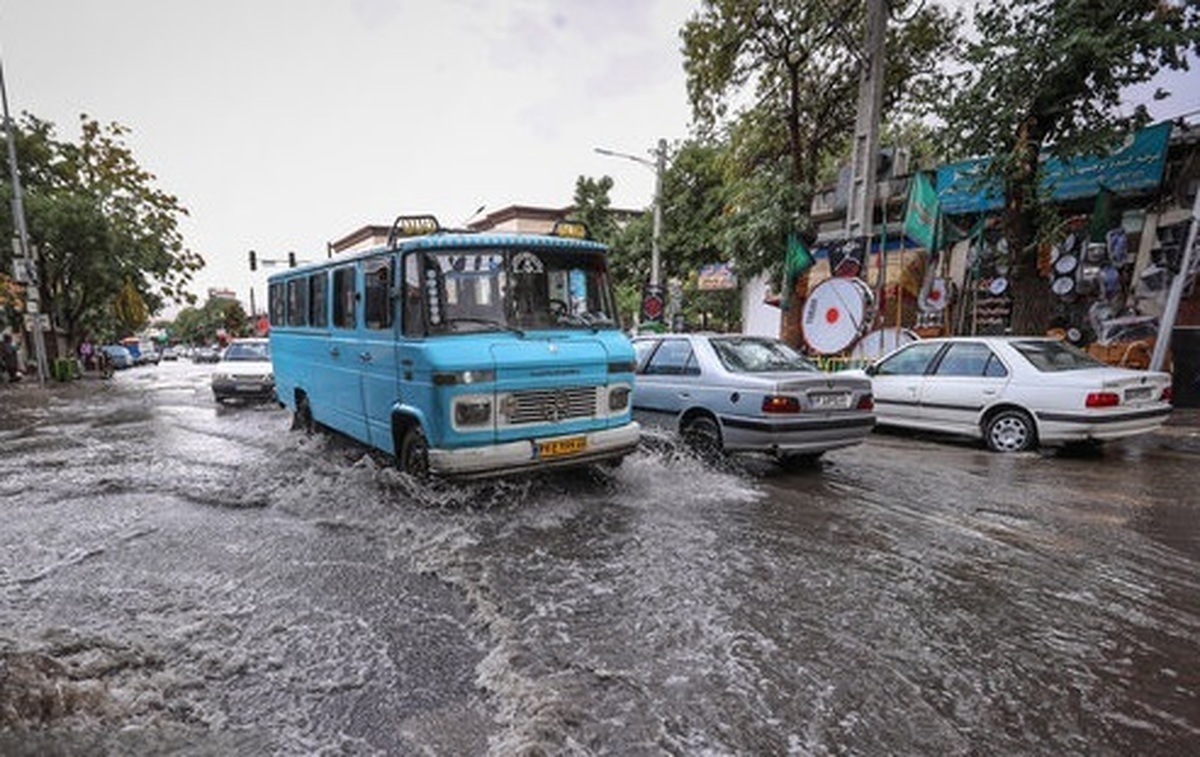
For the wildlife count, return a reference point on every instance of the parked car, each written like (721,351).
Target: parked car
(244,371)
(169,353)
(735,393)
(205,355)
(143,351)
(1015,392)
(118,356)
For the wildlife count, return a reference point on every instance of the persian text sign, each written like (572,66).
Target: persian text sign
(716,276)
(1135,166)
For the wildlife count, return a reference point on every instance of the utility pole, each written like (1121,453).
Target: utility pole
(865,148)
(22,243)
(1175,295)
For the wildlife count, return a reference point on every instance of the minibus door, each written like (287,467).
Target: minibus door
(376,354)
(342,377)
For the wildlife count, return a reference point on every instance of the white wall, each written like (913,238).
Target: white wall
(759,318)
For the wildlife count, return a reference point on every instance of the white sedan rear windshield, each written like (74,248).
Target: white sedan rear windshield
(1052,357)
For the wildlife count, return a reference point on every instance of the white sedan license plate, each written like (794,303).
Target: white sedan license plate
(560,447)
(1138,393)
(830,401)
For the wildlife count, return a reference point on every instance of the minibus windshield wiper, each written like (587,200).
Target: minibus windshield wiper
(500,325)
(594,321)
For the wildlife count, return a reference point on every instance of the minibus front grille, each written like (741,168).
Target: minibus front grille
(551,405)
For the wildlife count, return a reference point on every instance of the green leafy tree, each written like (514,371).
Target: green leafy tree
(188,326)
(692,198)
(130,309)
(1046,78)
(100,227)
(593,206)
(234,319)
(201,325)
(795,66)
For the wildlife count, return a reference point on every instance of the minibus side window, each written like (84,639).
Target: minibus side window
(297,302)
(343,297)
(276,303)
(377,299)
(318,288)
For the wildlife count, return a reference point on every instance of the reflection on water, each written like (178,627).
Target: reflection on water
(178,578)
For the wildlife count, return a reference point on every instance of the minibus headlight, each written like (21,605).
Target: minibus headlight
(472,412)
(618,398)
(463,377)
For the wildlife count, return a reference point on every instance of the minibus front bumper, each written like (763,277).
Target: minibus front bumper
(536,454)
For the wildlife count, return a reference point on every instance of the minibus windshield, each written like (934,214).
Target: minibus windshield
(497,289)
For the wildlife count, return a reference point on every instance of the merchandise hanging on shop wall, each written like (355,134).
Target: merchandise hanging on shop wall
(846,258)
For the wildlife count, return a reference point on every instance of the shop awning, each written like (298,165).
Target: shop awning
(1135,167)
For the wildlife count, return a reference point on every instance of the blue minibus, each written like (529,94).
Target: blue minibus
(462,354)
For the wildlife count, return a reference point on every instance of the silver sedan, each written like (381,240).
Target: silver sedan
(734,393)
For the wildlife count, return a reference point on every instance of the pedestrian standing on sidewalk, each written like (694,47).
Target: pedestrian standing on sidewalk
(9,359)
(85,354)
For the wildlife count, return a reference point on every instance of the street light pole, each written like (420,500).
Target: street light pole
(659,168)
(653,299)
(658,165)
(39,339)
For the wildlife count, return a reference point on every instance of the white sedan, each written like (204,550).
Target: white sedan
(1015,392)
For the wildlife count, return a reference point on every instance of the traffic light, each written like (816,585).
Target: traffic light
(253,261)
(291,260)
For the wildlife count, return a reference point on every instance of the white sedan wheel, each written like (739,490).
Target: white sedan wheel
(1010,431)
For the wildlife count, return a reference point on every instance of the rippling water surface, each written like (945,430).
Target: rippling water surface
(178,576)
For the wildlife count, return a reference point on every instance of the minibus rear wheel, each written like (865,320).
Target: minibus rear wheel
(303,419)
(414,453)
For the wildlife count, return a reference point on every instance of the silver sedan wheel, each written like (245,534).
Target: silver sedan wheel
(1010,431)
(703,436)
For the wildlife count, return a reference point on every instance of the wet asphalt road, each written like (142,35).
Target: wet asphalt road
(181,577)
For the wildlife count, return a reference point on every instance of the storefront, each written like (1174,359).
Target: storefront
(1123,220)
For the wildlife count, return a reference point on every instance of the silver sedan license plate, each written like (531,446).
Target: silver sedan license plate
(829,400)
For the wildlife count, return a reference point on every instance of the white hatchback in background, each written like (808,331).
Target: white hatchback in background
(244,371)
(1015,393)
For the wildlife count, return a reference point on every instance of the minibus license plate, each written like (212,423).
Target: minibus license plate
(560,447)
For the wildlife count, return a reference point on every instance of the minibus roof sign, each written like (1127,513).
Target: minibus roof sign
(571,229)
(412,226)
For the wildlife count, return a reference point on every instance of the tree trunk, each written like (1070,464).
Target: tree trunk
(1032,303)
(789,325)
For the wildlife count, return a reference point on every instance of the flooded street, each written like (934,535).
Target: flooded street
(178,576)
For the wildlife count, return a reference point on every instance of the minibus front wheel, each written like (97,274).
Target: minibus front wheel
(413,457)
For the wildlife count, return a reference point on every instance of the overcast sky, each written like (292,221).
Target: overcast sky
(283,125)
